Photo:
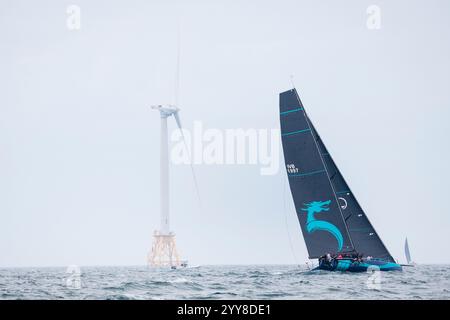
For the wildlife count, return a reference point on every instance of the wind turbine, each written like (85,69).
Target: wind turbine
(164,251)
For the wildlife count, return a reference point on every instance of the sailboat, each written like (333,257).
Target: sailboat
(408,254)
(335,228)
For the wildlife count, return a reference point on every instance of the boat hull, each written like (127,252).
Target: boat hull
(360,266)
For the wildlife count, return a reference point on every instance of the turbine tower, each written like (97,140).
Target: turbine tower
(164,250)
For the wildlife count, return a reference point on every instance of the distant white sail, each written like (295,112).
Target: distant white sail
(407,253)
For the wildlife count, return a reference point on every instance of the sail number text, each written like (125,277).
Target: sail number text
(291,168)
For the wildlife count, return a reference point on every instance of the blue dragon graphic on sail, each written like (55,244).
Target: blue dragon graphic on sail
(312,224)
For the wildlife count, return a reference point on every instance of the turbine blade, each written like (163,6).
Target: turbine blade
(177,119)
(197,190)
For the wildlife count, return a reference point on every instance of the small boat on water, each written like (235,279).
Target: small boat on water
(335,228)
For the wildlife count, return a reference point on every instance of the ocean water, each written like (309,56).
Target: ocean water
(223,282)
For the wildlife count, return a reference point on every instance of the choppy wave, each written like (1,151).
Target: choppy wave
(223,282)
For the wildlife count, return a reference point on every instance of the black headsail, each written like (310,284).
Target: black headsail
(316,203)
(364,237)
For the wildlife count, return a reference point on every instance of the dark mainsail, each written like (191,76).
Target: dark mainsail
(318,210)
(365,239)
(321,179)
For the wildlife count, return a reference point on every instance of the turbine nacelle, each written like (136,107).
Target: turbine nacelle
(166,110)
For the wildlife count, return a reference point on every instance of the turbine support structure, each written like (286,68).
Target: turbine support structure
(164,250)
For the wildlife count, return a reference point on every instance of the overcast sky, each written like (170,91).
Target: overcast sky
(79,161)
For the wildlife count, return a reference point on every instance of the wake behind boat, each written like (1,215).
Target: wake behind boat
(335,228)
